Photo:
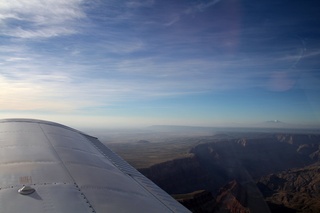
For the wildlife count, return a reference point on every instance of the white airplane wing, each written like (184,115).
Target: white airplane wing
(48,167)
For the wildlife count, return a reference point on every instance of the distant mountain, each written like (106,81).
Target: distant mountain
(277,124)
(174,128)
(274,124)
(266,126)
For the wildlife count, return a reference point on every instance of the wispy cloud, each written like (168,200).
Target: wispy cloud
(38,19)
(140,3)
(175,19)
(71,56)
(200,7)
(10,59)
(43,32)
(127,45)
(35,84)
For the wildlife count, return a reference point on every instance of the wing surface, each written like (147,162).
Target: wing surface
(66,170)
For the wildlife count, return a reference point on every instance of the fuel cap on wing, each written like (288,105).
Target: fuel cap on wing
(26,190)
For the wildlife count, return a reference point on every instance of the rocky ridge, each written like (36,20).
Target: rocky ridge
(227,168)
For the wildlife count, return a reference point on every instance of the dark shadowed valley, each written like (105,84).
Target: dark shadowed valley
(231,171)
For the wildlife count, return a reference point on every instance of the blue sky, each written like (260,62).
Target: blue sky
(145,62)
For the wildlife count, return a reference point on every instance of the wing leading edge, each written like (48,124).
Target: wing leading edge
(68,171)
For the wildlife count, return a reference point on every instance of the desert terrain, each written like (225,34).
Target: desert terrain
(229,170)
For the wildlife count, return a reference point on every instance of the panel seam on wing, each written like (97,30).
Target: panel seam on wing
(63,163)
(116,160)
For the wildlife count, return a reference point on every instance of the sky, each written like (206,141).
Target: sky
(99,63)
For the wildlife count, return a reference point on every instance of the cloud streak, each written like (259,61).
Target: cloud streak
(39,19)
(82,57)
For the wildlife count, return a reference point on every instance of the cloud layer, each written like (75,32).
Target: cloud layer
(80,56)
(39,19)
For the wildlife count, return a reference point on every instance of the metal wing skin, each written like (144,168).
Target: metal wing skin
(48,167)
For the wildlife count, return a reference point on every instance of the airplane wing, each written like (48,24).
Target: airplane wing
(49,167)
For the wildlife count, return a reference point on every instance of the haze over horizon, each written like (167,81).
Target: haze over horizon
(154,62)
